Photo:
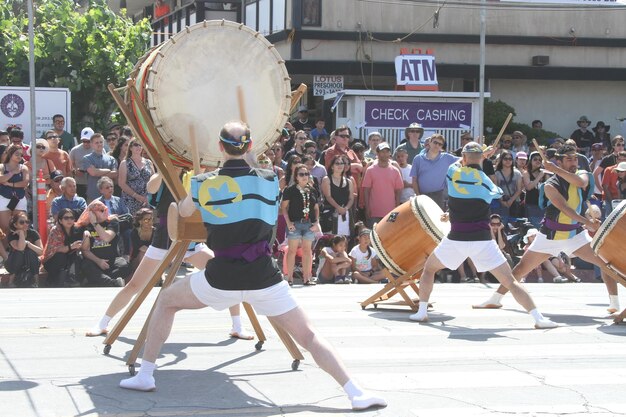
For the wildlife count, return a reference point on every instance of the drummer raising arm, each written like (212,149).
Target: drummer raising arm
(470,193)
(562,228)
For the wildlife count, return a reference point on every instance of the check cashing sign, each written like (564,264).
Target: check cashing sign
(435,115)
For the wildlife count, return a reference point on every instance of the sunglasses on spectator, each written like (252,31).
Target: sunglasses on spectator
(345,136)
(23,222)
(414,131)
(619,144)
(68,218)
(265,162)
(303,174)
(496,224)
(310,151)
(277,149)
(52,137)
(507,159)
(40,147)
(340,163)
(434,142)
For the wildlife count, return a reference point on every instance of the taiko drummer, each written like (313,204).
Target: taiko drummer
(564,227)
(240,212)
(470,193)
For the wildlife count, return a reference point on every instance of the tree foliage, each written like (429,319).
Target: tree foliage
(80,50)
(496,113)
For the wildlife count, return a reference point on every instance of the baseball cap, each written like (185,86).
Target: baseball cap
(530,233)
(472,147)
(621,167)
(381,146)
(86,133)
(365,232)
(56,175)
(597,146)
(302,108)
(521,155)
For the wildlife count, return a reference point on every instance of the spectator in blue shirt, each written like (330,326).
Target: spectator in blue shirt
(116,207)
(98,164)
(68,199)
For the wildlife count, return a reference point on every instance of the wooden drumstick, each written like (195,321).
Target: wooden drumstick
(541,152)
(506,123)
(296,95)
(242,105)
(194,150)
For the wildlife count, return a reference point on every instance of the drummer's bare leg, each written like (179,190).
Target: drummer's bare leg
(529,261)
(199,261)
(431,267)
(176,297)
(296,323)
(586,254)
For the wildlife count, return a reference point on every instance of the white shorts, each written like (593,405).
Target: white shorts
(542,244)
(21,205)
(484,253)
(271,301)
(158,254)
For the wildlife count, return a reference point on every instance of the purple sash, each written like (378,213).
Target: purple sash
(560,227)
(248,251)
(466,227)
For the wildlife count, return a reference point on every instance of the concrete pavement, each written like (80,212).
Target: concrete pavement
(463,363)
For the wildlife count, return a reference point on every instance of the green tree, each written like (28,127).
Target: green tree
(80,50)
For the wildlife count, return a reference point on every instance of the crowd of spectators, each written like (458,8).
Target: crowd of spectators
(334,188)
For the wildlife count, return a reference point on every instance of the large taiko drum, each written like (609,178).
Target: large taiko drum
(191,83)
(608,242)
(406,236)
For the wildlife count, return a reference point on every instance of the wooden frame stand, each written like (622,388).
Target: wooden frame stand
(396,285)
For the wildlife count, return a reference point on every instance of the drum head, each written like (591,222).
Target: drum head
(429,215)
(607,226)
(193,82)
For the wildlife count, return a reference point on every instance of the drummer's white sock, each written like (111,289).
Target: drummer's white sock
(536,315)
(361,399)
(104,322)
(496,298)
(236,323)
(614,302)
(143,381)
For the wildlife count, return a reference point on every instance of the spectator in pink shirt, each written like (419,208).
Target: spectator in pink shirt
(382,185)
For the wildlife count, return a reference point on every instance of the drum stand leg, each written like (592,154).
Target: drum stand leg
(393,287)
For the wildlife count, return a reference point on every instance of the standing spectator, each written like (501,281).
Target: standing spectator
(342,139)
(582,136)
(43,164)
(24,250)
(319,129)
(55,190)
(161,8)
(300,207)
(61,250)
(277,159)
(298,148)
(609,183)
(373,139)
(338,191)
(519,143)
(58,157)
(135,172)
(17,138)
(13,183)
(602,135)
(382,186)
(97,164)
(317,170)
(597,154)
(521,160)
(509,179)
(76,159)
(67,141)
(429,170)
(621,180)
(402,157)
(466,137)
(583,162)
(120,150)
(290,175)
(302,121)
(102,265)
(68,199)
(412,136)
(316,182)
(269,156)
(141,236)
(5,140)
(617,144)
(537,124)
(532,178)
(111,141)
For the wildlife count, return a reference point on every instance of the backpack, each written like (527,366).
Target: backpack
(544,202)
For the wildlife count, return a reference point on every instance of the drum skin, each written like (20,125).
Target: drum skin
(406,236)
(608,242)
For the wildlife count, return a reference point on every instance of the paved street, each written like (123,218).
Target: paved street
(463,363)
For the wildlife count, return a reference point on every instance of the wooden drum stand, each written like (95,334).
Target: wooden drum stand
(183,231)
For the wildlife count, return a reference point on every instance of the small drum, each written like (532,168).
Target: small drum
(405,237)
(191,83)
(607,242)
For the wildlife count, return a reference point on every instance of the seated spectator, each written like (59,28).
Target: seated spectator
(68,199)
(61,250)
(55,190)
(134,173)
(14,178)
(117,208)
(335,264)
(24,250)
(102,265)
(141,236)
(41,163)
(563,266)
(365,268)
